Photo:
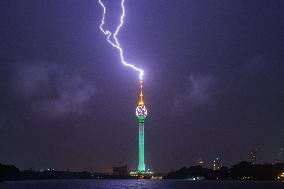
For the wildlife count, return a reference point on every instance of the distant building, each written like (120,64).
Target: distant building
(200,162)
(217,164)
(120,171)
(280,156)
(253,156)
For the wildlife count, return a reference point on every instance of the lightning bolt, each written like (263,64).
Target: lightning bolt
(116,44)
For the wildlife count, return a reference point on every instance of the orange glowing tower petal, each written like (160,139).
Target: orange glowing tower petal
(141,103)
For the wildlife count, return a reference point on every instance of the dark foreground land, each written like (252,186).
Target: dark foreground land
(139,184)
(241,171)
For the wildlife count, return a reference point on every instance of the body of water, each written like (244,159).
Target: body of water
(139,184)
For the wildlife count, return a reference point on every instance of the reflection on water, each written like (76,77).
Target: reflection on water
(138,184)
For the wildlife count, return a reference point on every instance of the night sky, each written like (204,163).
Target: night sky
(213,84)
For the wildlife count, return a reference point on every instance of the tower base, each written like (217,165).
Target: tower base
(141,168)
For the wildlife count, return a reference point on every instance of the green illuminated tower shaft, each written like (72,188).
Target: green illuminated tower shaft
(141,166)
(141,113)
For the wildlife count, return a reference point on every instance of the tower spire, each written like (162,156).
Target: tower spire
(141,103)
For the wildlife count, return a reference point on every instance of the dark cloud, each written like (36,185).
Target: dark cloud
(198,90)
(50,91)
(256,65)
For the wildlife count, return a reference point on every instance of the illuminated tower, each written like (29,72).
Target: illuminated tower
(141,113)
